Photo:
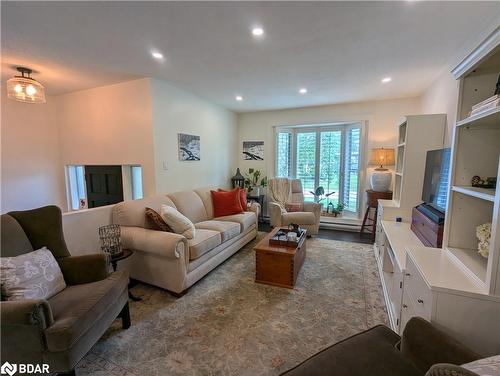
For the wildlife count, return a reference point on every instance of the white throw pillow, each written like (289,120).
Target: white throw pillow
(177,221)
(34,275)
(485,367)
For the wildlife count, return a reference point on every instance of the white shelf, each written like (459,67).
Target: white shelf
(471,262)
(400,236)
(487,118)
(399,173)
(482,193)
(441,272)
(402,145)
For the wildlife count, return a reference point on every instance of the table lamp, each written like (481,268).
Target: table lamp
(381,177)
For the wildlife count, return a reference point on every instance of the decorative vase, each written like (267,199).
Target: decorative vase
(256,190)
(381,181)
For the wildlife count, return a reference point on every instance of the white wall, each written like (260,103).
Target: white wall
(382,117)
(442,98)
(178,111)
(109,125)
(31,173)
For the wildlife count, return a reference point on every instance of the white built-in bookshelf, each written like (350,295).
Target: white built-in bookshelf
(476,151)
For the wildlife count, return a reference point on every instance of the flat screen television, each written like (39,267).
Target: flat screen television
(437,168)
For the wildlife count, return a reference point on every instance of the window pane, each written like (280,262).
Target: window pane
(351,182)
(283,151)
(329,165)
(306,162)
(137,193)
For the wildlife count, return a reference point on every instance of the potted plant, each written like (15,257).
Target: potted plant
(337,210)
(253,181)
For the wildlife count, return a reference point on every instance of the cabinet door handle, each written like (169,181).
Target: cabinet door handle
(420,301)
(407,274)
(405,306)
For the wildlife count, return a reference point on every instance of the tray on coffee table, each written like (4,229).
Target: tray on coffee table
(283,240)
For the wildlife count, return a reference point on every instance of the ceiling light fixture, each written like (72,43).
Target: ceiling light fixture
(239,98)
(157,55)
(257,31)
(25,89)
(386,80)
(303,90)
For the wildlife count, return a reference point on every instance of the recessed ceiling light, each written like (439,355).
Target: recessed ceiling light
(257,31)
(239,98)
(303,90)
(157,55)
(386,80)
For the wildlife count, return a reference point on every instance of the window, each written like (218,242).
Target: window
(326,156)
(93,186)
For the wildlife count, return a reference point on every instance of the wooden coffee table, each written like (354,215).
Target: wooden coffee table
(278,265)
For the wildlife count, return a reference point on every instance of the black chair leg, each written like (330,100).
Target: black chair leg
(125,316)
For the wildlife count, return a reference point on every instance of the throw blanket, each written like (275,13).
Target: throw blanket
(280,189)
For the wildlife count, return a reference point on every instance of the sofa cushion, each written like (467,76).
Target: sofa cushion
(245,219)
(190,204)
(206,197)
(177,221)
(228,230)
(372,352)
(131,212)
(293,207)
(300,218)
(242,195)
(77,308)
(203,241)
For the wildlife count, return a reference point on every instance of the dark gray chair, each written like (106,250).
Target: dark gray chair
(379,351)
(61,330)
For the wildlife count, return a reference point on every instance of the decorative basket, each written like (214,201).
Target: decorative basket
(110,236)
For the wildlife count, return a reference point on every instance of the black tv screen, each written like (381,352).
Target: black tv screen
(437,168)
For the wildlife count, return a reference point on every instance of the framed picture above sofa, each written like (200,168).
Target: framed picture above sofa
(189,147)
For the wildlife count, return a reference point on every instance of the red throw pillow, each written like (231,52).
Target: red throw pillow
(226,203)
(293,207)
(243,197)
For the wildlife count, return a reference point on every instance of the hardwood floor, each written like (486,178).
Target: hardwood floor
(346,236)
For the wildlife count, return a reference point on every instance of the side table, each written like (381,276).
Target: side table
(260,200)
(114,263)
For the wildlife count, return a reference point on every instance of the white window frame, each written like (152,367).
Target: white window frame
(325,127)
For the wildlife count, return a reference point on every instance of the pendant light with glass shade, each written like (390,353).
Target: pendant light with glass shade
(24,88)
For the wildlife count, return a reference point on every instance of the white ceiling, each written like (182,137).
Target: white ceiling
(338,50)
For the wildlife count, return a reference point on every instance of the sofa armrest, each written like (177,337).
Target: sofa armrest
(313,207)
(426,345)
(31,312)
(167,244)
(275,212)
(84,269)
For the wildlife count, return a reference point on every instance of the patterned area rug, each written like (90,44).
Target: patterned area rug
(229,325)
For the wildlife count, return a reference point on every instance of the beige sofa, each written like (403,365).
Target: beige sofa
(171,261)
(308,217)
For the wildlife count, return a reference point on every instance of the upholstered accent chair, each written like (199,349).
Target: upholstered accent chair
(422,350)
(58,331)
(307,217)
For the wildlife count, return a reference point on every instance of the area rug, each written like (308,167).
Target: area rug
(229,325)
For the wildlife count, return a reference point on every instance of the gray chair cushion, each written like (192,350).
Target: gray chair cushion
(78,308)
(371,352)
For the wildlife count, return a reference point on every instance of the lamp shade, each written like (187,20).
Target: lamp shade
(24,88)
(381,157)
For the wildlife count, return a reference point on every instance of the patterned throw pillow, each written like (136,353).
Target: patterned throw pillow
(485,367)
(293,207)
(34,275)
(154,221)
